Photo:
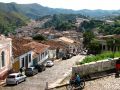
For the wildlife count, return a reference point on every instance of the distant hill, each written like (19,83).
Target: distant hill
(35,10)
(9,21)
(14,15)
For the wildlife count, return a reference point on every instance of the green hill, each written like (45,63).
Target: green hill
(36,10)
(9,21)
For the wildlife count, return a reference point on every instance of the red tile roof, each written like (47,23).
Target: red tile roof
(37,47)
(22,46)
(18,48)
(55,44)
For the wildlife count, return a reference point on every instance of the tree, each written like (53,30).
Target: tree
(94,47)
(87,37)
(39,37)
(112,43)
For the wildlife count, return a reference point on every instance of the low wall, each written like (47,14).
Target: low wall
(94,67)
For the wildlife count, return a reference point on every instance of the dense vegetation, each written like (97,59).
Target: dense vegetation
(89,25)
(39,37)
(88,36)
(102,56)
(104,27)
(111,29)
(9,21)
(63,21)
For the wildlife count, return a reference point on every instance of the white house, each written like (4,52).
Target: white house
(40,52)
(22,54)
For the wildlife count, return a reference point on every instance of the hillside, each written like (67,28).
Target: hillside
(103,27)
(63,21)
(9,21)
(35,10)
(32,10)
(14,15)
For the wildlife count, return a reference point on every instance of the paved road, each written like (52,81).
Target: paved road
(105,83)
(50,75)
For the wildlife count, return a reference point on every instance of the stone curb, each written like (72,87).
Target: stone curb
(57,83)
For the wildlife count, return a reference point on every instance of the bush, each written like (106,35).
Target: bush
(39,37)
(102,56)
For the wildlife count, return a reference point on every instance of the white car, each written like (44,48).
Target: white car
(15,78)
(49,63)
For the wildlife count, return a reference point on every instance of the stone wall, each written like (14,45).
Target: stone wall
(94,67)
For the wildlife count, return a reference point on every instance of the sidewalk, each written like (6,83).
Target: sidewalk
(2,82)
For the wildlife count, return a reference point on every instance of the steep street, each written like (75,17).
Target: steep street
(50,75)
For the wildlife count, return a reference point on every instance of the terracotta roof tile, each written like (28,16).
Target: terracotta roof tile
(37,47)
(18,48)
(55,44)
(22,46)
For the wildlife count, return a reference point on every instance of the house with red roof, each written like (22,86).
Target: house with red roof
(57,49)
(40,52)
(27,53)
(22,54)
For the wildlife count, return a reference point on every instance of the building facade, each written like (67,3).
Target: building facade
(5,56)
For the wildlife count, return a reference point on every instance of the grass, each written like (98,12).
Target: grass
(102,56)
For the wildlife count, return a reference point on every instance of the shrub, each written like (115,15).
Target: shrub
(39,37)
(102,56)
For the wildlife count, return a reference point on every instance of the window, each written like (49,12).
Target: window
(18,75)
(39,57)
(3,58)
(11,76)
(23,62)
(42,55)
(21,75)
(29,57)
(45,53)
(26,58)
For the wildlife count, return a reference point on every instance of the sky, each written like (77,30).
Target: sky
(73,4)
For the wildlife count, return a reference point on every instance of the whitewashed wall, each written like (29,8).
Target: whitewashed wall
(94,67)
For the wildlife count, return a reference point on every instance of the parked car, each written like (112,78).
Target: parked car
(67,56)
(64,58)
(31,71)
(15,78)
(40,68)
(49,63)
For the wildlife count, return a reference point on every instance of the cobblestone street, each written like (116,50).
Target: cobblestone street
(50,75)
(105,83)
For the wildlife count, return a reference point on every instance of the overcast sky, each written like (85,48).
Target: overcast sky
(73,4)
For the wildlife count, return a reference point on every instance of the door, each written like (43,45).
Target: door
(26,61)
